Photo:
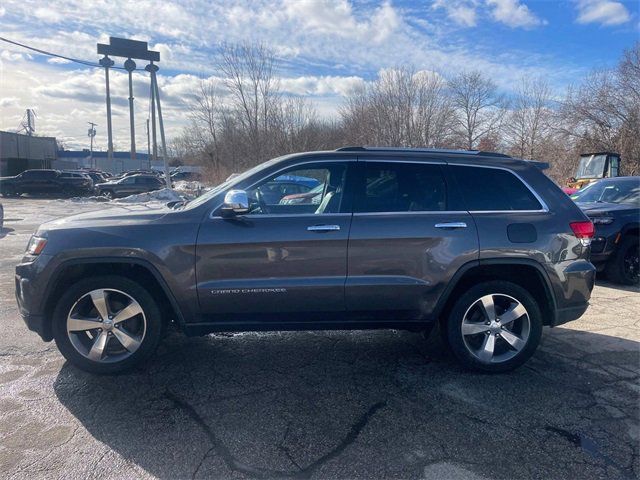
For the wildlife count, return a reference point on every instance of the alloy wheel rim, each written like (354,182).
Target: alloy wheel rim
(106,325)
(495,328)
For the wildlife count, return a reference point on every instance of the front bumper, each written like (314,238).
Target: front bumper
(29,296)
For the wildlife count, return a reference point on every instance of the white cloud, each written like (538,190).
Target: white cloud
(321,85)
(605,12)
(336,17)
(48,15)
(461,12)
(58,61)
(9,102)
(514,14)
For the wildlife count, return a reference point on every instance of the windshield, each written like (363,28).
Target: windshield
(231,181)
(591,166)
(620,191)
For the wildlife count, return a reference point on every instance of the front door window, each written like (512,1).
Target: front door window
(310,189)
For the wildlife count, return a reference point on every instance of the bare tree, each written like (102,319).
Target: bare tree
(603,113)
(478,105)
(402,108)
(248,72)
(529,120)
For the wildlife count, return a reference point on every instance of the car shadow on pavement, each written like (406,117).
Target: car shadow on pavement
(369,404)
(4,231)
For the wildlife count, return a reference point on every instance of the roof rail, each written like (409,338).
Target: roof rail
(421,150)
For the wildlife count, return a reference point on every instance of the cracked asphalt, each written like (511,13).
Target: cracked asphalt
(375,404)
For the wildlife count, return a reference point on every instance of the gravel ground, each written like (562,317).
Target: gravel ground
(380,404)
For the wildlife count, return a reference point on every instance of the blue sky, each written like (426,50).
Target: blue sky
(326,48)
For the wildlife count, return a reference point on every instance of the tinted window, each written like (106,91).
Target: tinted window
(402,187)
(39,174)
(493,189)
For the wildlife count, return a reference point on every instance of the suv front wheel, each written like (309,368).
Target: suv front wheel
(494,327)
(107,324)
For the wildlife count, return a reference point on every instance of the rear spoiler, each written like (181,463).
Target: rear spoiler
(541,165)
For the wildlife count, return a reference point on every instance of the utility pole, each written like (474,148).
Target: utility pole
(148,147)
(92,134)
(152,69)
(130,66)
(30,124)
(106,62)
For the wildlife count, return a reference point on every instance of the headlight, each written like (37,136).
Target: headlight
(602,220)
(36,245)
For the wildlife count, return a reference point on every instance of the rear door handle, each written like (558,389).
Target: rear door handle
(451,225)
(323,228)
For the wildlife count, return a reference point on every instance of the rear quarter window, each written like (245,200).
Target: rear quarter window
(493,189)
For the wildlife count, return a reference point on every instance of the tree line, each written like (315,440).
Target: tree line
(243,117)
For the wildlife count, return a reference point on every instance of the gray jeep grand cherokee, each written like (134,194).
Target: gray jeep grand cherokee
(485,244)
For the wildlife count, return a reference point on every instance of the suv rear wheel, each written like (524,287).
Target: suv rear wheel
(107,324)
(624,266)
(494,327)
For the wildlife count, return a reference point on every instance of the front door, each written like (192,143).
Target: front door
(407,240)
(288,256)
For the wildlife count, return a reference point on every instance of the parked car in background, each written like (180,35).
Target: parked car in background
(97,177)
(613,205)
(186,176)
(484,244)
(283,186)
(129,185)
(312,196)
(46,182)
(1,216)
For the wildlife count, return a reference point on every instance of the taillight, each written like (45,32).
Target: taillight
(584,231)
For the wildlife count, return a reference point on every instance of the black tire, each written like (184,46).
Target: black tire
(152,314)
(623,266)
(9,191)
(455,338)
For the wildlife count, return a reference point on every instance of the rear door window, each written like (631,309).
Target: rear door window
(493,189)
(402,187)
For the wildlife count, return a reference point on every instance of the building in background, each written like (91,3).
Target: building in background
(74,159)
(20,152)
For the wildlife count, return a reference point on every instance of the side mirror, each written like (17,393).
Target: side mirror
(236,202)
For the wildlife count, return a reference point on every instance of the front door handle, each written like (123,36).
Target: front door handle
(451,225)
(323,228)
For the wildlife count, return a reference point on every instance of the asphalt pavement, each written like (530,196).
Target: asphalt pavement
(366,404)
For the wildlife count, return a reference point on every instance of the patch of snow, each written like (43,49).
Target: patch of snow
(89,199)
(163,195)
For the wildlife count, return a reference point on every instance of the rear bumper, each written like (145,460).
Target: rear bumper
(573,283)
(569,314)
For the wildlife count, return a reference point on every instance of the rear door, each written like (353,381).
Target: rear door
(408,238)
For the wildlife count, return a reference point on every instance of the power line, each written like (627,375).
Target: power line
(71,59)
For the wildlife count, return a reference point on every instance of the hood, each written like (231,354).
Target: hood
(110,216)
(600,208)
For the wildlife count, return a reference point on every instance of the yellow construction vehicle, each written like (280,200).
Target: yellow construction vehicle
(592,167)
